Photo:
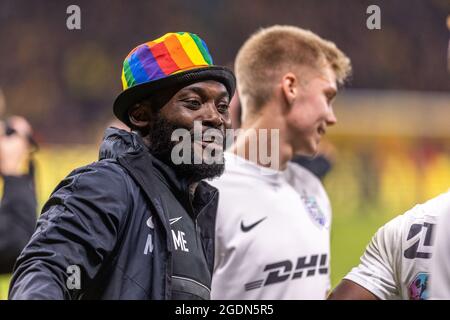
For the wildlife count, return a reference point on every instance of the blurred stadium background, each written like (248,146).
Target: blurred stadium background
(391,147)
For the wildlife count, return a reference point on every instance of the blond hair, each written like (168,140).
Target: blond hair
(271,52)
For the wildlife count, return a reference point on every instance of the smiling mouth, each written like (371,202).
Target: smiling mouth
(209,142)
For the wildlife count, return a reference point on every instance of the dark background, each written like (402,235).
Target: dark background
(65,81)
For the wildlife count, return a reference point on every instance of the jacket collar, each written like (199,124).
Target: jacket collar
(130,151)
(119,143)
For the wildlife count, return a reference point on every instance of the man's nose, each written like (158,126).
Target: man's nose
(331,119)
(211,116)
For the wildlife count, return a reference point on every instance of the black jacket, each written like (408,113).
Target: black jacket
(17,218)
(97,219)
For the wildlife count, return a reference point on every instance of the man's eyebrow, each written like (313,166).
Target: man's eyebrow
(202,92)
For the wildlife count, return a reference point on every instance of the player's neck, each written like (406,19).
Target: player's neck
(263,140)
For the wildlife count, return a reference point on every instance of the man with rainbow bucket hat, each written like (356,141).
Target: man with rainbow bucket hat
(138,223)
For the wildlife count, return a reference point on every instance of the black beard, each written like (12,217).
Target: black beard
(161,147)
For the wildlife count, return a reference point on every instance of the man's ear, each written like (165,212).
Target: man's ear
(289,87)
(140,117)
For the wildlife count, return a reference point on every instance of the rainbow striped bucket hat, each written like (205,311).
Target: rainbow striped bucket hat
(173,59)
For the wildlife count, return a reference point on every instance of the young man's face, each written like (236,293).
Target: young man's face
(312,111)
(206,103)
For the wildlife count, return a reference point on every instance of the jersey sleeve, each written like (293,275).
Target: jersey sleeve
(377,269)
(440,263)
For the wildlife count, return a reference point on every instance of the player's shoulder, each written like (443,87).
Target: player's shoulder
(239,173)
(434,207)
(427,212)
(302,177)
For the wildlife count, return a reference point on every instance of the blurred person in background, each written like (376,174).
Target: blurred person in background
(273,221)
(18,203)
(136,225)
(397,261)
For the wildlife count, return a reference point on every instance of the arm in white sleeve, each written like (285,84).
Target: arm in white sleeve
(377,269)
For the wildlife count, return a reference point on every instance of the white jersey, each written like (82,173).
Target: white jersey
(440,263)
(396,263)
(272,233)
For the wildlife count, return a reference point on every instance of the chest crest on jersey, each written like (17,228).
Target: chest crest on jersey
(313,209)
